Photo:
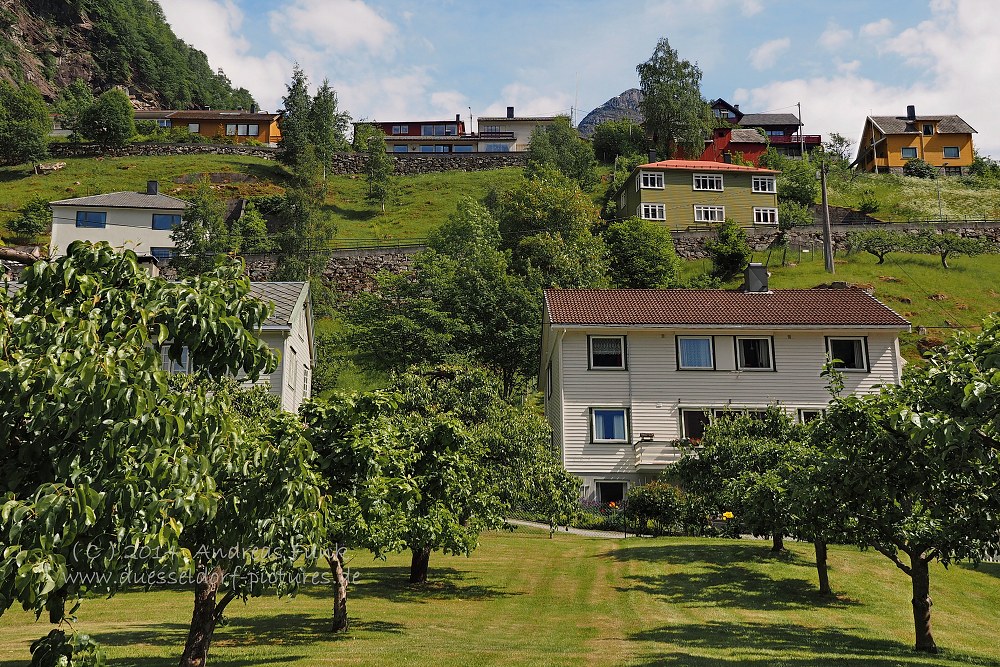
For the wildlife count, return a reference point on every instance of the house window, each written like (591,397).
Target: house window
(490,129)
(653,212)
(463,149)
(775,133)
(807,415)
(651,180)
(754,354)
(951,151)
(765,216)
(161,253)
(928,129)
(693,423)
(848,353)
(400,129)
(732,413)
(172,366)
(952,171)
(763,184)
(163,122)
(231,130)
(709,213)
(695,353)
(497,148)
(165,221)
(611,492)
(548,382)
(708,182)
(194,128)
(96,219)
(609,425)
(607,352)
(306,387)
(908,153)
(621,202)
(398,148)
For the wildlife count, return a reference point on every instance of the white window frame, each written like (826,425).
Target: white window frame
(194,128)
(593,425)
(230,129)
(680,425)
(172,366)
(708,183)
(651,180)
(718,213)
(623,341)
(754,369)
(762,212)
(800,413)
(764,184)
(400,129)
(680,357)
(866,366)
(650,211)
(597,488)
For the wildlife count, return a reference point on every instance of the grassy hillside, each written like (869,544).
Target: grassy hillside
(420,203)
(523,599)
(906,198)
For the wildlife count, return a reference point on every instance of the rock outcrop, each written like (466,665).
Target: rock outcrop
(625,105)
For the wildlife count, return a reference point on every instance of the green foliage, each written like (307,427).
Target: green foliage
(379,166)
(869,202)
(730,252)
(617,138)
(24,124)
(295,122)
(949,244)
(71,105)
(559,146)
(84,402)
(58,650)
(641,254)
(675,113)
(327,124)
(203,234)
(252,230)
(110,120)
(797,181)
(838,147)
(624,165)
(312,128)
(304,228)
(35,219)
(792,214)
(919,168)
(880,241)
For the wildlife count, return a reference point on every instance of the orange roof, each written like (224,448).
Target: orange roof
(851,307)
(704,165)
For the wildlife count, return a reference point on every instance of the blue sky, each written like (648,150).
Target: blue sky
(415,60)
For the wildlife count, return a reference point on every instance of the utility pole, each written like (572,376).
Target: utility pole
(802,139)
(827,234)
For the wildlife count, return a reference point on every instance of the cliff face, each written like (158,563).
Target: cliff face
(625,105)
(107,43)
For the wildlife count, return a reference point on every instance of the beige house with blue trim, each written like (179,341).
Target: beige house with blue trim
(684,194)
(625,374)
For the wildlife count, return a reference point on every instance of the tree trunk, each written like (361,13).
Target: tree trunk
(944,260)
(57,606)
(824,575)
(205,617)
(922,605)
(418,565)
(777,542)
(340,622)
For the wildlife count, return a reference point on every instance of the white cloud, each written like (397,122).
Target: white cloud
(766,55)
(528,101)
(333,26)
(879,28)
(214,26)
(751,7)
(849,67)
(834,36)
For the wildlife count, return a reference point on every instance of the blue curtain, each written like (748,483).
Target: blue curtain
(609,424)
(696,353)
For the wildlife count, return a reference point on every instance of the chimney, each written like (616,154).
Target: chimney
(510,112)
(755,278)
(652,155)
(458,118)
(911,112)
(736,106)
(728,159)
(152,187)
(253,108)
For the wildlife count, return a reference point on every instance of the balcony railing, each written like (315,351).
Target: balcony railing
(808,139)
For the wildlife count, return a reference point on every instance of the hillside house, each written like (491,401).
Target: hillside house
(728,143)
(237,125)
(140,221)
(426,136)
(888,142)
(509,133)
(627,373)
(783,130)
(685,194)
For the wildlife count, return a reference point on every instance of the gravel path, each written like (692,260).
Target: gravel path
(604,534)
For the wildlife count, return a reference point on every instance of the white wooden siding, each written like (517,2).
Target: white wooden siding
(654,390)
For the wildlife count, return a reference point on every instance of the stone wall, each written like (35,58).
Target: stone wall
(342,163)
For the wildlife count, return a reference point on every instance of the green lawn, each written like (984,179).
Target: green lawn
(523,599)
(905,197)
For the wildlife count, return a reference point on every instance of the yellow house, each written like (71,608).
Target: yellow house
(238,125)
(943,141)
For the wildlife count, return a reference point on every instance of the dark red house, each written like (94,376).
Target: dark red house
(726,142)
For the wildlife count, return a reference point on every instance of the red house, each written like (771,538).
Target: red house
(426,136)
(726,142)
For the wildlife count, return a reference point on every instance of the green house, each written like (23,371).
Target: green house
(685,194)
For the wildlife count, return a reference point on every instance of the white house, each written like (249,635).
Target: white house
(508,133)
(627,373)
(139,221)
(289,333)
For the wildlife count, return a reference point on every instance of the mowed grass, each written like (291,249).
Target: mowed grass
(523,599)
(419,203)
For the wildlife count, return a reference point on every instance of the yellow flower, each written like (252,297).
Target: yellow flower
(726,516)
(612,505)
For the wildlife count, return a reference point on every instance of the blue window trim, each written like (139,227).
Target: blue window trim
(92,219)
(161,253)
(173,220)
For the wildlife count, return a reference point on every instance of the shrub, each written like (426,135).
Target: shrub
(730,251)
(657,507)
(879,242)
(869,202)
(919,168)
(641,254)
(792,214)
(34,219)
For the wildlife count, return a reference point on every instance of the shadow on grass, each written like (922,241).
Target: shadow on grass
(392,584)
(719,576)
(783,644)
(992,569)
(354,215)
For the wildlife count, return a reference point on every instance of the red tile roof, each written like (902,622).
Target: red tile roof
(704,165)
(848,307)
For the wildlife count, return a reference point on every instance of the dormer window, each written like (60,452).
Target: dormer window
(928,129)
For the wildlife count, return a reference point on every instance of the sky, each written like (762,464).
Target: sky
(412,60)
